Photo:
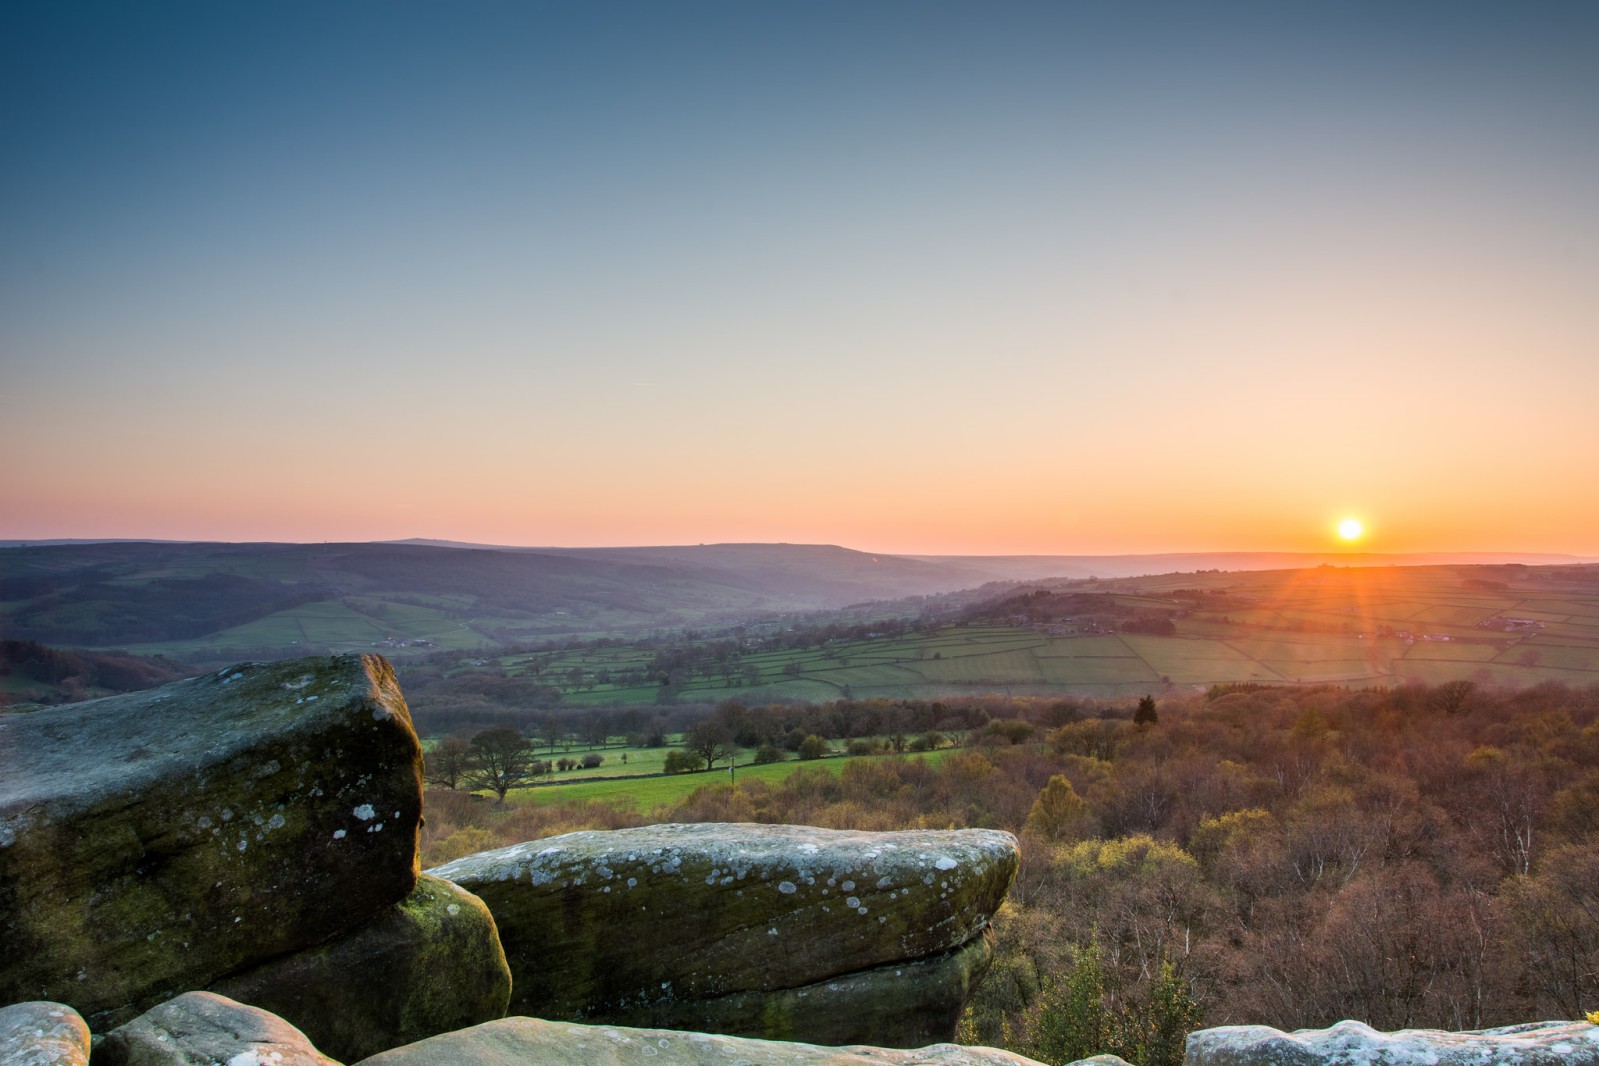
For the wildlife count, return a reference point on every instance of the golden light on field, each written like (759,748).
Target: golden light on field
(1351,529)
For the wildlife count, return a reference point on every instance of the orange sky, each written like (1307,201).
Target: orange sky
(1005,279)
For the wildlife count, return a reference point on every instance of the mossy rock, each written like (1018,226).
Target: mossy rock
(620,924)
(903,1005)
(153,842)
(429,964)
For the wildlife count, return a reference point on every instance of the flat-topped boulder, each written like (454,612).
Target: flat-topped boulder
(646,924)
(154,842)
(1535,1044)
(526,1041)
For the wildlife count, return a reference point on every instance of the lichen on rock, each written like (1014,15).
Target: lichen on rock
(430,964)
(639,923)
(1351,1043)
(153,842)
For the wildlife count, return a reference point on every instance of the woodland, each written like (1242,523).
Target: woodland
(1418,856)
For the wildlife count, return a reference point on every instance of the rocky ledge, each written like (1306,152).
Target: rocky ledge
(760,930)
(1354,1044)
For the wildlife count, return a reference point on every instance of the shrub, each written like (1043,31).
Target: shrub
(768,753)
(679,761)
(592,759)
(813,747)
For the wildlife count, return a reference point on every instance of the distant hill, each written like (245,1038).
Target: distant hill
(1033,567)
(209,600)
(181,598)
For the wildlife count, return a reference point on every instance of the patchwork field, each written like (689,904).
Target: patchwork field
(1510,625)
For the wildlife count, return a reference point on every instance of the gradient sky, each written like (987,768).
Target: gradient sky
(909,277)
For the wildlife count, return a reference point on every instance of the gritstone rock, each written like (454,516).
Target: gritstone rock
(43,1034)
(523,1041)
(637,925)
(204,1029)
(153,842)
(1537,1044)
(430,964)
(904,1005)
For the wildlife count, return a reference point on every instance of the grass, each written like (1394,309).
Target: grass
(646,793)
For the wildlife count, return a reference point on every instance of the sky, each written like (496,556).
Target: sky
(959,278)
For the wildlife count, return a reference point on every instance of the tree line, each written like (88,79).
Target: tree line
(1422,856)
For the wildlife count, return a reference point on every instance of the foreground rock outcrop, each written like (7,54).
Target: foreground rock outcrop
(43,1034)
(525,1041)
(1537,1044)
(430,964)
(747,929)
(200,1027)
(155,842)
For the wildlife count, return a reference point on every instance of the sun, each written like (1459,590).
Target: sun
(1351,529)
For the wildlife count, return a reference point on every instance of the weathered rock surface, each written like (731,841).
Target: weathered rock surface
(204,1029)
(640,924)
(1354,1044)
(43,1034)
(909,1004)
(526,1041)
(151,843)
(430,964)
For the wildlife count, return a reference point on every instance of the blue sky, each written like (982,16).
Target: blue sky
(914,277)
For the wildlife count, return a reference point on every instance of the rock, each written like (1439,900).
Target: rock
(909,1004)
(204,1029)
(152,842)
(1100,1060)
(626,925)
(1536,1044)
(430,964)
(525,1041)
(43,1034)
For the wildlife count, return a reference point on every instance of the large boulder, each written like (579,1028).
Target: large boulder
(1536,1044)
(678,922)
(524,1041)
(154,842)
(905,1004)
(204,1029)
(43,1034)
(430,964)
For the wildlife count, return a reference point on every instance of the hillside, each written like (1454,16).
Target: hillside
(280,598)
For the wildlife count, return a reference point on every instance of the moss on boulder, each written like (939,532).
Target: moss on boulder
(628,924)
(429,964)
(153,842)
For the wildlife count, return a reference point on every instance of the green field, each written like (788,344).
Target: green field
(1357,626)
(645,793)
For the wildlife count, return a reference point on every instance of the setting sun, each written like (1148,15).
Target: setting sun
(1350,529)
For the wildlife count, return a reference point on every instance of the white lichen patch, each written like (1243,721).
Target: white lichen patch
(365,812)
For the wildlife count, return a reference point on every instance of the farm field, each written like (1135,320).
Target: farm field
(1510,626)
(644,793)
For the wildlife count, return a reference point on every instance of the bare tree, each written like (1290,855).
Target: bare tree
(502,759)
(446,765)
(709,741)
